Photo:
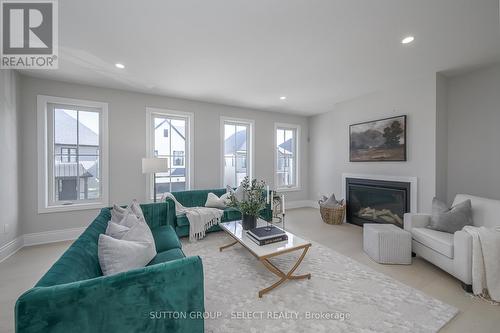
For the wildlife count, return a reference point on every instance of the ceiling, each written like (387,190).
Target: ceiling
(249,53)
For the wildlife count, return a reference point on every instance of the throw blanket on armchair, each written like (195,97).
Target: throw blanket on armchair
(485,263)
(200,218)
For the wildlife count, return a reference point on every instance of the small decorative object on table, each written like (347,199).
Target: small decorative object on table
(252,202)
(331,210)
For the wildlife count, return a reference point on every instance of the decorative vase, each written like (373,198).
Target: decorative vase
(248,221)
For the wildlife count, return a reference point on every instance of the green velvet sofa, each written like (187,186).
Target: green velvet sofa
(74,296)
(197,198)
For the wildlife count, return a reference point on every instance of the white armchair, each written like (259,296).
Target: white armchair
(452,252)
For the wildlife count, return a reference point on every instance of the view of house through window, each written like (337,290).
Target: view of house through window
(286,154)
(170,142)
(236,152)
(75,147)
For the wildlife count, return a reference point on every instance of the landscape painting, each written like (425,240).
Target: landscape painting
(379,140)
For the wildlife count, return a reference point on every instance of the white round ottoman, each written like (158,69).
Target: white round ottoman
(386,243)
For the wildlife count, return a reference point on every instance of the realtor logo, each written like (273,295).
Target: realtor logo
(29,34)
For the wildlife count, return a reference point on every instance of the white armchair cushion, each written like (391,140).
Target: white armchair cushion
(439,241)
(416,221)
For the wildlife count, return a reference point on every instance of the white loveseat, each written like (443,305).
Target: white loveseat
(452,252)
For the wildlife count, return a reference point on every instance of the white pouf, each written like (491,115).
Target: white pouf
(386,243)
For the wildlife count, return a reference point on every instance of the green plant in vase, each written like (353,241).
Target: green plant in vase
(249,199)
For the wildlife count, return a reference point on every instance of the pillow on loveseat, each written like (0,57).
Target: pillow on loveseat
(450,219)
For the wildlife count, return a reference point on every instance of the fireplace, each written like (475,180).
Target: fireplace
(377,201)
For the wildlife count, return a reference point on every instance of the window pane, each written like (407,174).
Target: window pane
(88,154)
(65,138)
(286,151)
(170,142)
(76,154)
(236,138)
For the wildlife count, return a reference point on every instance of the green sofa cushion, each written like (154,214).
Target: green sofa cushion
(165,256)
(165,238)
(231,214)
(182,220)
(196,198)
(80,261)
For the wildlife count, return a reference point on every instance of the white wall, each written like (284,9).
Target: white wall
(441,137)
(127,140)
(474,133)
(9,162)
(329,133)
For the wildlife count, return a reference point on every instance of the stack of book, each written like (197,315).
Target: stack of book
(267,235)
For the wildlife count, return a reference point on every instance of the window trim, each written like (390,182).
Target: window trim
(251,123)
(43,162)
(188,156)
(297,129)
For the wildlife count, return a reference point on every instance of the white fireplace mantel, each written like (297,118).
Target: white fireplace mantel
(412,180)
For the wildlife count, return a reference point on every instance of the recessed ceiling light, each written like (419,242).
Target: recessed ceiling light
(408,40)
(120,66)
(283,98)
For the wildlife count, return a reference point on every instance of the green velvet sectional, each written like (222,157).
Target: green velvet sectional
(197,198)
(74,296)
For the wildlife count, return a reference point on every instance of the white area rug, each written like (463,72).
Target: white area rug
(349,296)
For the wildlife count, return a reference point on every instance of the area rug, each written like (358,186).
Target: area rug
(342,295)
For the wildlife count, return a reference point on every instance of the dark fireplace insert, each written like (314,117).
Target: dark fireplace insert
(376,201)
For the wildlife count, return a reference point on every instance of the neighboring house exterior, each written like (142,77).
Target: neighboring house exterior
(235,157)
(170,142)
(285,162)
(76,170)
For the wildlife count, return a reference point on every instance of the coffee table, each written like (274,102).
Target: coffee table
(265,252)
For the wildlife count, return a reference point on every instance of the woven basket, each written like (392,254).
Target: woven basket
(332,215)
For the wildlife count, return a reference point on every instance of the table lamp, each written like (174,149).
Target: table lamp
(154,165)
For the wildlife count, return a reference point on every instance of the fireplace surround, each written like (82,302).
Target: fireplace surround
(377,201)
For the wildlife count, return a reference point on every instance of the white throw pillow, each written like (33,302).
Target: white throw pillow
(140,232)
(119,255)
(226,198)
(116,230)
(118,213)
(239,194)
(213,201)
(136,209)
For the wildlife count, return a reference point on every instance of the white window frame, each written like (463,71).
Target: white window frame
(188,156)
(297,129)
(246,122)
(44,205)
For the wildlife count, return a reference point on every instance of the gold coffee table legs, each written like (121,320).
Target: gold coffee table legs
(226,246)
(282,275)
(275,270)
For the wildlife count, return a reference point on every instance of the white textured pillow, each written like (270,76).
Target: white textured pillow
(213,201)
(239,194)
(118,213)
(136,209)
(119,255)
(140,232)
(116,230)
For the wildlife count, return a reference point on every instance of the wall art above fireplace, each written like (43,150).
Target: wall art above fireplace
(379,140)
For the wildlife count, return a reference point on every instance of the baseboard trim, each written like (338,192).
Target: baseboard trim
(38,238)
(52,236)
(11,247)
(301,204)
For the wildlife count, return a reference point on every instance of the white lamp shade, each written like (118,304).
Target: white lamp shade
(154,165)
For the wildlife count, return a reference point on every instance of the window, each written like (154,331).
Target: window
(237,145)
(68,155)
(72,157)
(178,158)
(286,157)
(169,134)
